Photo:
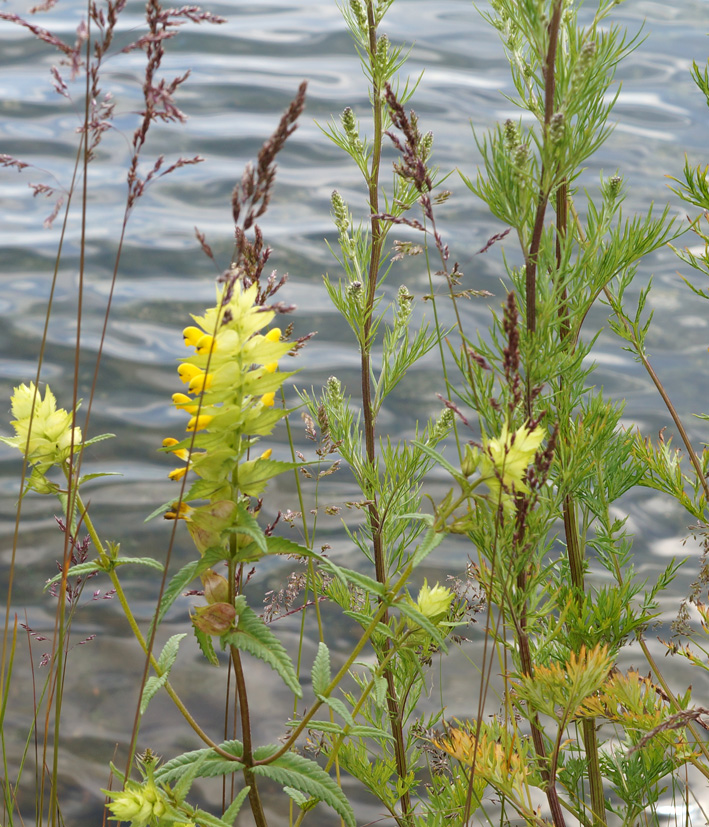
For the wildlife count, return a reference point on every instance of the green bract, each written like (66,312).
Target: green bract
(42,431)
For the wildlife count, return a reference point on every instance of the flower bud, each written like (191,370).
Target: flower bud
(557,128)
(216,587)
(215,619)
(434,602)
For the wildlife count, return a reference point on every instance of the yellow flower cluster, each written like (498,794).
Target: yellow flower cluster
(41,429)
(505,459)
(230,381)
(138,804)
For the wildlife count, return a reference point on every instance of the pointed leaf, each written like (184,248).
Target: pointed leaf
(81,568)
(431,540)
(214,765)
(422,621)
(204,641)
(336,705)
(165,661)
(253,636)
(232,811)
(320,676)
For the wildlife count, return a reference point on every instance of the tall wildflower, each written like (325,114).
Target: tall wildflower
(230,380)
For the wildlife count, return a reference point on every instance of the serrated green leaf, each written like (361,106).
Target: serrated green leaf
(320,726)
(380,691)
(205,819)
(300,773)
(99,438)
(232,811)
(336,705)
(253,636)
(182,787)
(358,579)
(87,477)
(204,641)
(297,796)
(161,509)
(364,620)
(431,540)
(75,571)
(214,765)
(184,576)
(320,675)
(362,731)
(150,562)
(282,545)
(165,661)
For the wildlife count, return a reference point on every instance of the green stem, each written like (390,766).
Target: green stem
(105,564)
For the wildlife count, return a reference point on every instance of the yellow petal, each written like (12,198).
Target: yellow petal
(177,474)
(192,335)
(268,399)
(201,382)
(187,372)
(205,344)
(183,403)
(273,335)
(199,423)
(272,367)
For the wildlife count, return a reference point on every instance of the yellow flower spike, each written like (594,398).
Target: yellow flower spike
(199,423)
(183,403)
(273,335)
(187,372)
(201,382)
(183,512)
(205,344)
(177,474)
(272,367)
(268,399)
(266,454)
(192,335)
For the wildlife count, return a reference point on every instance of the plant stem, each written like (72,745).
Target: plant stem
(573,545)
(369,414)
(249,778)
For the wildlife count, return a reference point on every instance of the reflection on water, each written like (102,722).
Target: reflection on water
(243,75)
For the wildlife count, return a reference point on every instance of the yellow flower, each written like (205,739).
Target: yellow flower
(187,372)
(138,804)
(181,512)
(200,382)
(434,602)
(506,459)
(183,403)
(192,335)
(273,335)
(199,423)
(268,399)
(47,435)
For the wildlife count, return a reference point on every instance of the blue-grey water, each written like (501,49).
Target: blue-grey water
(243,75)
